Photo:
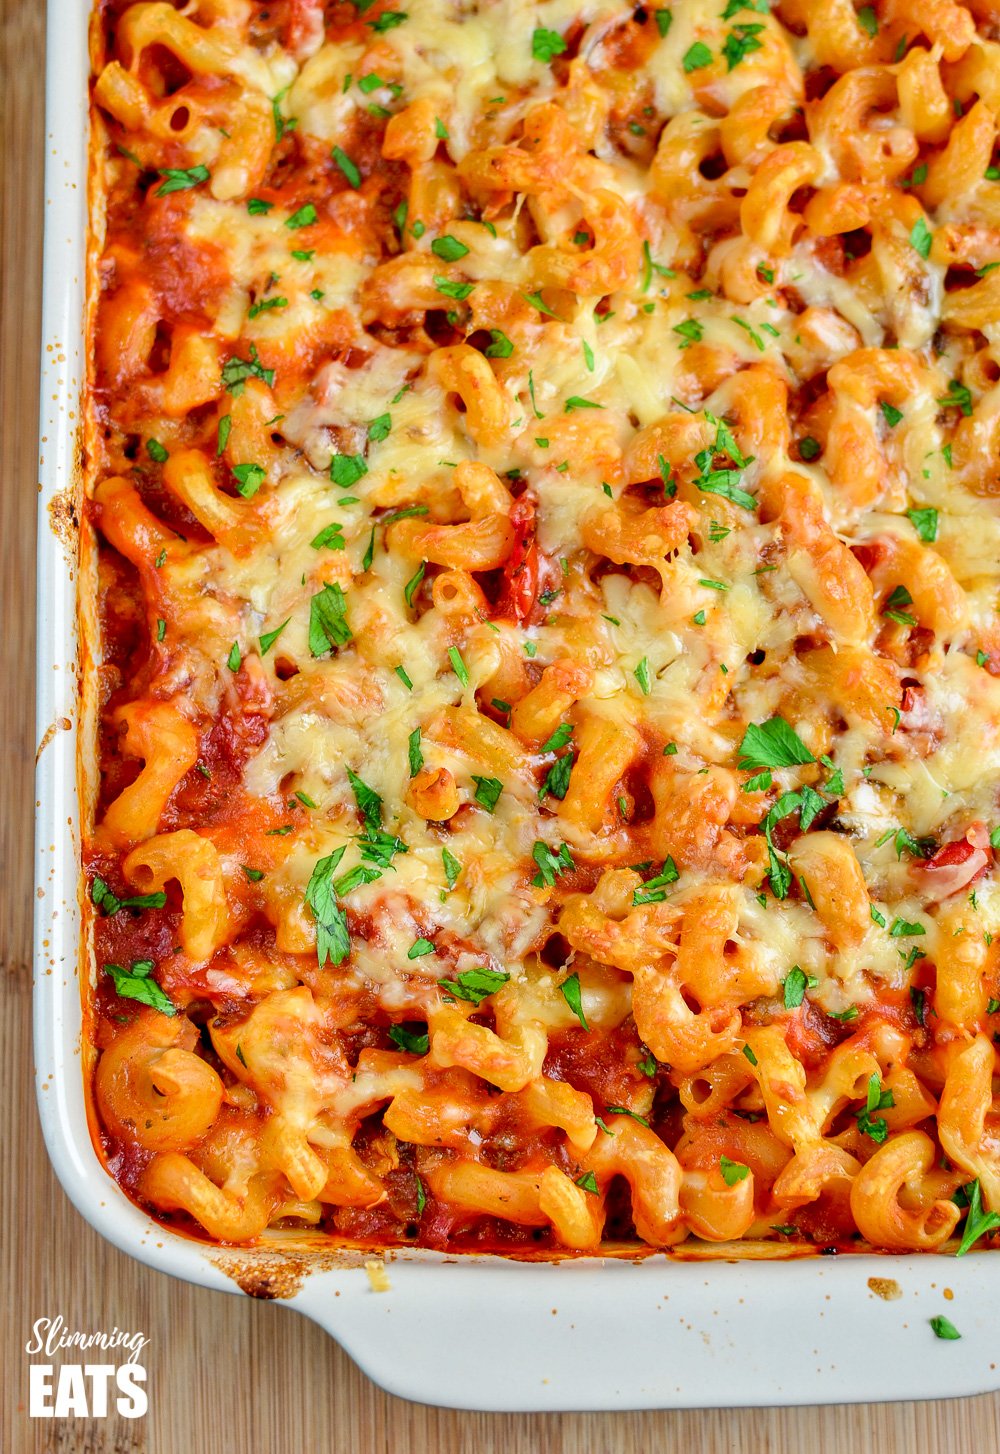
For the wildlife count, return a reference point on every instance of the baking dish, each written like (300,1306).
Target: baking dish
(718,1331)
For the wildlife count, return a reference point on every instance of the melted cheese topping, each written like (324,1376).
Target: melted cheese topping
(585,601)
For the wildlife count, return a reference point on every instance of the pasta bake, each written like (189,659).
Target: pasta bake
(543,508)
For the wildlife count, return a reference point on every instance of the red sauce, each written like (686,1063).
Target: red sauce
(604,1063)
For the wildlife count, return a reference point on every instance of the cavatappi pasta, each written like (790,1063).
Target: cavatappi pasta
(544,459)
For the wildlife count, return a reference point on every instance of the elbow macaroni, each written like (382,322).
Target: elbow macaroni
(548,512)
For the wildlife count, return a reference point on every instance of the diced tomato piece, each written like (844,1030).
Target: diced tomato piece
(520,573)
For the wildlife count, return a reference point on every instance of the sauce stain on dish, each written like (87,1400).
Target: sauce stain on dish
(61,724)
(271,1275)
(64,518)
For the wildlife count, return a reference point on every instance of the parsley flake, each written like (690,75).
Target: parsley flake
(181,179)
(137,983)
(546,45)
(570,989)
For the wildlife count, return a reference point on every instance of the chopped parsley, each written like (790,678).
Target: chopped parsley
(921,237)
(181,179)
(741,41)
(649,267)
(249,478)
(458,291)
(570,989)
(474,985)
(957,397)
(732,1171)
(696,57)
(536,301)
(624,1111)
(559,738)
(876,1099)
(978,1223)
(282,125)
(551,863)
(108,903)
(388,20)
(690,330)
(725,482)
(925,523)
(333,941)
(653,891)
(772,744)
(137,983)
(546,45)
(270,637)
(328,626)
(488,790)
(236,371)
(304,217)
(368,801)
(347,469)
(755,337)
(448,248)
(898,598)
(794,988)
(265,305)
(329,538)
(903,929)
(499,346)
(412,585)
(347,167)
(557,779)
(416,1042)
(458,665)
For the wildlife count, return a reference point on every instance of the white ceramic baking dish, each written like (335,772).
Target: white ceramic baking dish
(481,1333)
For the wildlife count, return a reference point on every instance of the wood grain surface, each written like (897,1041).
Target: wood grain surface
(228,1373)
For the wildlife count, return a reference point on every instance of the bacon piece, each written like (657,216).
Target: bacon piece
(956,864)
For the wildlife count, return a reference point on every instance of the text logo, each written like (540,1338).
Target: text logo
(85,1390)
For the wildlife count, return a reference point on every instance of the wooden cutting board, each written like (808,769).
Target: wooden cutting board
(228,1373)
